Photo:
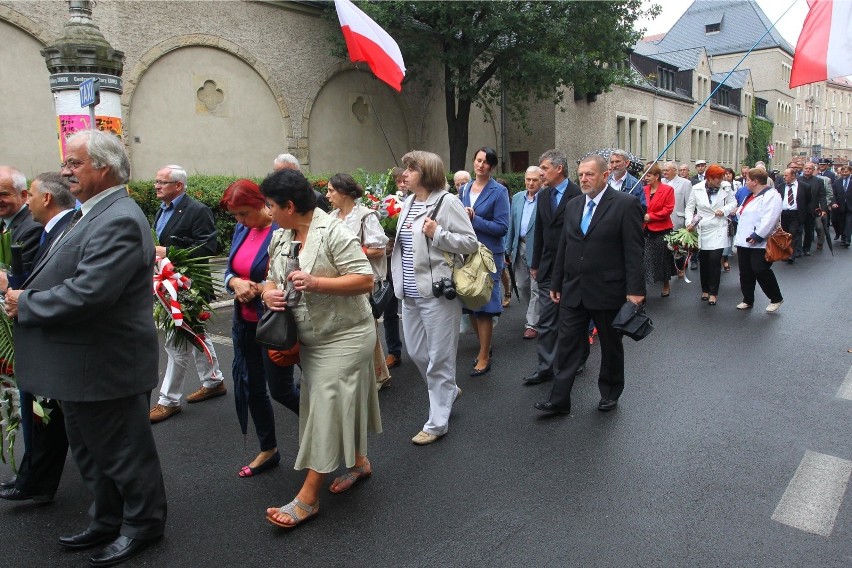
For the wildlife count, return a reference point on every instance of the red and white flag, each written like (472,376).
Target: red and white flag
(825,44)
(368,42)
(770,151)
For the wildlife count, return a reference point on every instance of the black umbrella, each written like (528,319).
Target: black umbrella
(513,282)
(239,371)
(636,167)
(824,219)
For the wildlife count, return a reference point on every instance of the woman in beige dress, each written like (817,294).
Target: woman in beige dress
(339,403)
(343,190)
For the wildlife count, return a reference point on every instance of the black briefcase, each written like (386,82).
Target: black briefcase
(633,322)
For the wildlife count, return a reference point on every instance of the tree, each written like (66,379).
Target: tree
(759,137)
(527,49)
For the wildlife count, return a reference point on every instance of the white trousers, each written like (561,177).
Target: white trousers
(527,286)
(179,357)
(430,327)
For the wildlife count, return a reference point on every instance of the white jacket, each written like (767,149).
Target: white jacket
(759,216)
(712,230)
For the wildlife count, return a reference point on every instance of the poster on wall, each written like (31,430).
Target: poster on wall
(71,118)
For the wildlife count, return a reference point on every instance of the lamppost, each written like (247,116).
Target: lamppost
(81,53)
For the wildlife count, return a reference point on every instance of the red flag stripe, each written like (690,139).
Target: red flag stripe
(364,49)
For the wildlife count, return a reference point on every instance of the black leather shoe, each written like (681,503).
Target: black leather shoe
(550,408)
(14,494)
(9,483)
(86,539)
(536,379)
(605,405)
(121,549)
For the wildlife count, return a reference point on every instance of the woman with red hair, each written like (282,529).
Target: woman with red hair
(707,209)
(244,278)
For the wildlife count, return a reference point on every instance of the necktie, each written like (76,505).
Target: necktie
(43,236)
(554,195)
(790,193)
(587,218)
(845,184)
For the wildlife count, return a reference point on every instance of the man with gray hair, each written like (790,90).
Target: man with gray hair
(85,336)
(520,242)
(16,223)
(460,179)
(682,188)
(45,448)
(620,179)
(184,222)
(291,162)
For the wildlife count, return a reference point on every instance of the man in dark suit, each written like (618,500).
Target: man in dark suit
(85,336)
(796,206)
(16,220)
(826,170)
(45,445)
(839,208)
(598,267)
(549,217)
(700,166)
(817,204)
(184,222)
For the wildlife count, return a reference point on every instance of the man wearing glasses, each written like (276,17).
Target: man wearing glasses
(184,222)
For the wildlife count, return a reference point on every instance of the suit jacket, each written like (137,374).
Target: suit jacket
(259,266)
(682,188)
(491,219)
(842,197)
(632,186)
(514,235)
(85,329)
(695,180)
(805,197)
(548,228)
(601,268)
(27,231)
(54,233)
(191,225)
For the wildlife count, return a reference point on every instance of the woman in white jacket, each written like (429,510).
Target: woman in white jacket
(423,280)
(758,216)
(713,200)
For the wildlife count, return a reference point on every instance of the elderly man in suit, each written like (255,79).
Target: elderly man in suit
(682,188)
(87,304)
(700,166)
(549,217)
(520,242)
(184,222)
(597,267)
(839,208)
(15,219)
(45,447)
(796,206)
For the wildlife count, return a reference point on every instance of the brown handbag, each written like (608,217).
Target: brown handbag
(779,245)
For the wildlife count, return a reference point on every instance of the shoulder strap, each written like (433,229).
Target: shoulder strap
(363,219)
(434,213)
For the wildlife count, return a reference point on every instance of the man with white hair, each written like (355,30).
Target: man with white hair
(460,178)
(184,222)
(520,242)
(15,219)
(291,162)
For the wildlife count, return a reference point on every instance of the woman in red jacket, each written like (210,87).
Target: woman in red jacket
(659,262)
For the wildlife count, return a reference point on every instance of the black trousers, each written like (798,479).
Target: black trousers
(113,446)
(838,220)
(45,449)
(809,226)
(710,270)
(548,334)
(755,270)
(790,222)
(573,352)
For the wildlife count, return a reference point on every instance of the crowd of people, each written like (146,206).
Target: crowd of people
(578,251)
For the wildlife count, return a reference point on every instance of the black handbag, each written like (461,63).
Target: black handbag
(380,299)
(633,322)
(277,330)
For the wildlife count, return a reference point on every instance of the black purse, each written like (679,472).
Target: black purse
(380,299)
(277,330)
(633,322)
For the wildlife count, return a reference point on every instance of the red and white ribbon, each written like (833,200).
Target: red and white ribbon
(167,282)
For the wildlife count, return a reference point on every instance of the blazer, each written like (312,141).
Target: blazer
(805,196)
(27,231)
(259,265)
(548,229)
(660,207)
(191,225)
(682,188)
(85,328)
(632,186)
(491,214)
(758,218)
(842,197)
(454,235)
(601,268)
(54,233)
(513,237)
(712,230)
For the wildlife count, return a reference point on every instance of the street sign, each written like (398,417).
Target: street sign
(89,93)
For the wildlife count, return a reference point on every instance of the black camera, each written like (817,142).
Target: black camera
(444,287)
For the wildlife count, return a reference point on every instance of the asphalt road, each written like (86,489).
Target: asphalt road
(720,411)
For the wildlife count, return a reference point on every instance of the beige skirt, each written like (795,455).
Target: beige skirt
(379,363)
(339,403)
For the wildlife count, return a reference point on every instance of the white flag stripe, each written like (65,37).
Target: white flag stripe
(839,40)
(812,499)
(350,15)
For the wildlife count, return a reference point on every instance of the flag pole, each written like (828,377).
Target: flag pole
(710,96)
(375,112)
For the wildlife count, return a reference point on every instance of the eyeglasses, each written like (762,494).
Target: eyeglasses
(72,164)
(163,182)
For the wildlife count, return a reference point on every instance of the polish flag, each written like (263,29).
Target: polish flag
(824,46)
(369,43)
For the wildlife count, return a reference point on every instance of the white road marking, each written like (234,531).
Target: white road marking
(846,388)
(220,339)
(813,497)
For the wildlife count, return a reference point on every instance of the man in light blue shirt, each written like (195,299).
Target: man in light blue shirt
(519,244)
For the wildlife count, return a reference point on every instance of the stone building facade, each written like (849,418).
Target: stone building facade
(823,120)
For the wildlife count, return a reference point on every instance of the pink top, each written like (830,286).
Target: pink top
(243,259)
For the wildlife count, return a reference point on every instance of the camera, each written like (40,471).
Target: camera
(444,287)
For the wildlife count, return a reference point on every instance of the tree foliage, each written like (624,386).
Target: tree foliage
(759,137)
(528,48)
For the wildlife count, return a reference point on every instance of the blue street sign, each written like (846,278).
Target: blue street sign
(89,93)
